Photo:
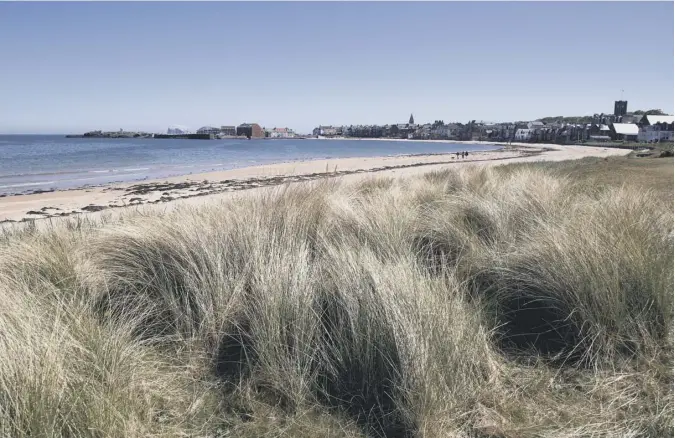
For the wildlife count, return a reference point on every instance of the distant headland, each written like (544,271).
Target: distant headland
(112,134)
(133,134)
(244,132)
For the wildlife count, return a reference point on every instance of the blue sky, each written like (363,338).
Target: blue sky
(71,67)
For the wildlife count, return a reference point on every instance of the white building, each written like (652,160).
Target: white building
(327,130)
(281,133)
(533,126)
(654,119)
(228,130)
(178,130)
(523,134)
(625,131)
(208,130)
(656,128)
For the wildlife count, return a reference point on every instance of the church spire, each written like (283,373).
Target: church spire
(412,120)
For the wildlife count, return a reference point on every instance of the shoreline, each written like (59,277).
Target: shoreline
(467,142)
(187,175)
(204,187)
(36,191)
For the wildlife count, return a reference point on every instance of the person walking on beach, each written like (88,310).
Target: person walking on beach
(467,154)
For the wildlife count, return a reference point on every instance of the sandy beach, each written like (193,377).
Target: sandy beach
(205,187)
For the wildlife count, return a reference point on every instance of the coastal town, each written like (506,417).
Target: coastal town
(651,126)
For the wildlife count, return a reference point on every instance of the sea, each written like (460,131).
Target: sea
(30,163)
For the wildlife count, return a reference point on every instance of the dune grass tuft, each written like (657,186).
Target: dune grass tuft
(501,302)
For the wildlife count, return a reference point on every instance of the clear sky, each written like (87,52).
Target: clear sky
(72,67)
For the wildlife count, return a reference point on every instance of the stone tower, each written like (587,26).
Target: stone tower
(620,108)
(412,120)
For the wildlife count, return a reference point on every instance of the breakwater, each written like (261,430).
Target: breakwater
(186,136)
(119,135)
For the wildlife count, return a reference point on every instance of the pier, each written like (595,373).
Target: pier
(186,136)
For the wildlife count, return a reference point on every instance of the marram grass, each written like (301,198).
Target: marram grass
(482,302)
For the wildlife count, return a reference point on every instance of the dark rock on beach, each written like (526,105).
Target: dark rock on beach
(94,208)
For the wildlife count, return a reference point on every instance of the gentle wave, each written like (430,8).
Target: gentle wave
(68,172)
(41,183)
(133,169)
(61,182)
(15,175)
(95,178)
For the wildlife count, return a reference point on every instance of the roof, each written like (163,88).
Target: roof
(605,127)
(626,128)
(653,119)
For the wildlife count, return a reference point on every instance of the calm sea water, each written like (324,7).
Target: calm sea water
(34,162)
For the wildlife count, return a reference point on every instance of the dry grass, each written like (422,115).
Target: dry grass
(651,174)
(520,301)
